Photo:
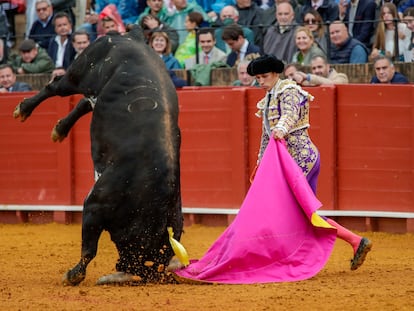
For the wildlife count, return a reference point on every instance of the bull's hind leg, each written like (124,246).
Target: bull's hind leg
(91,231)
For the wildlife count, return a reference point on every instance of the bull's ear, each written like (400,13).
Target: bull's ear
(135,31)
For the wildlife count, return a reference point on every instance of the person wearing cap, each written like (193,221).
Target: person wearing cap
(8,81)
(31,59)
(285,114)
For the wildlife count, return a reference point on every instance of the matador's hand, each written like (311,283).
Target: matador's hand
(277,134)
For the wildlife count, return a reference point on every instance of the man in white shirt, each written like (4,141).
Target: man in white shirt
(60,47)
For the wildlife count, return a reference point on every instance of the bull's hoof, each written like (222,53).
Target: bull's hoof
(174,265)
(119,278)
(72,279)
(17,113)
(56,136)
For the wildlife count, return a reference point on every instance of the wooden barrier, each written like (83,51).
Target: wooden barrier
(365,134)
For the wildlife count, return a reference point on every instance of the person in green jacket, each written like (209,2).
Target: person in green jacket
(31,59)
(155,8)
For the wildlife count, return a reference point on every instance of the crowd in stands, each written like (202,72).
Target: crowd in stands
(187,34)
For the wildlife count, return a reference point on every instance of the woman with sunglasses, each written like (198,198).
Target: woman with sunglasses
(313,20)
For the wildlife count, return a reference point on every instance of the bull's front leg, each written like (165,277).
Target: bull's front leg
(24,109)
(63,126)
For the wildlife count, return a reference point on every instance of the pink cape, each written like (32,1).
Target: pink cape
(276,236)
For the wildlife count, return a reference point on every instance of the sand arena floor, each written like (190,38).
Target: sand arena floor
(33,259)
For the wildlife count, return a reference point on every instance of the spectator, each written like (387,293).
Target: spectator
(8,81)
(279,39)
(127,9)
(229,15)
(31,59)
(345,49)
(187,49)
(322,73)
(244,79)
(154,8)
(269,15)
(313,20)
(290,70)
(161,44)
(385,72)
(307,48)
(151,24)
(66,7)
(251,15)
(90,24)
(4,52)
(80,41)
(110,20)
(402,6)
(328,9)
(177,19)
(42,29)
(240,47)
(409,20)
(209,53)
(384,36)
(177,81)
(60,48)
(360,16)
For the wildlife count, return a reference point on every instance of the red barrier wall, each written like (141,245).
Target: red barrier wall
(364,133)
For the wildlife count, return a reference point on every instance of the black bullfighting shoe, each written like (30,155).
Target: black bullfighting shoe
(364,247)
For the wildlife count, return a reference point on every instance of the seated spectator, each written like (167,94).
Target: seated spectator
(322,73)
(4,51)
(328,9)
(80,41)
(307,48)
(209,52)
(8,81)
(178,82)
(60,47)
(409,20)
(359,16)
(110,20)
(154,8)
(65,6)
(345,49)
(187,49)
(161,44)
(57,72)
(42,29)
(402,6)
(90,23)
(177,18)
(150,24)
(384,36)
(313,20)
(290,70)
(31,59)
(385,72)
(244,79)
(251,15)
(229,15)
(127,9)
(240,47)
(279,39)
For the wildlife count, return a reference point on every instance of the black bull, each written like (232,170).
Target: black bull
(135,142)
